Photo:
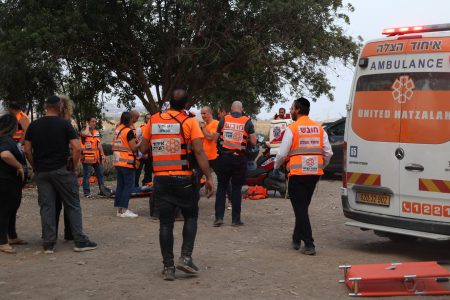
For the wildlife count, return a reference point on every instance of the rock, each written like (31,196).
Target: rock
(81,263)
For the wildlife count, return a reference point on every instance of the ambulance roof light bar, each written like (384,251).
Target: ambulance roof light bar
(415,29)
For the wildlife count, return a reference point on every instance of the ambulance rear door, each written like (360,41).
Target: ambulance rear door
(425,131)
(373,134)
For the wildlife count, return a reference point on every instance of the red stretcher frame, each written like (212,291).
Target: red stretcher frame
(397,279)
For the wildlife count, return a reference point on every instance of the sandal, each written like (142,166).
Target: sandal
(9,250)
(18,242)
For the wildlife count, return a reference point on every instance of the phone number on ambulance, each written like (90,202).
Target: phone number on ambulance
(426,209)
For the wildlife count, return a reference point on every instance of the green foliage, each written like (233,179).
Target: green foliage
(221,51)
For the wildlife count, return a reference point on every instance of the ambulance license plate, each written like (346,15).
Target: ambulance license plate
(373,199)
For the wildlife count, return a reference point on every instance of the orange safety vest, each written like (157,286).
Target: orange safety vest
(169,148)
(20,132)
(90,153)
(233,135)
(305,155)
(123,156)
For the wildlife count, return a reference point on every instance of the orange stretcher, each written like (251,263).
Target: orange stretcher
(397,279)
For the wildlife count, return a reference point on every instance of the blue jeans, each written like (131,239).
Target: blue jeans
(125,183)
(98,168)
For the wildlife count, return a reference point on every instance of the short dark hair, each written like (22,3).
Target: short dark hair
(179,100)
(53,102)
(302,105)
(8,125)
(89,118)
(126,118)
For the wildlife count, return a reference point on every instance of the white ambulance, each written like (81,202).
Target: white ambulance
(397,137)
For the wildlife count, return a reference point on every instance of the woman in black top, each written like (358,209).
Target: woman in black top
(11,178)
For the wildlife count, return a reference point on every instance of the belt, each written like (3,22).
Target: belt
(175,176)
(233,153)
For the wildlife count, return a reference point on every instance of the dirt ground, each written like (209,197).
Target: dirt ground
(251,262)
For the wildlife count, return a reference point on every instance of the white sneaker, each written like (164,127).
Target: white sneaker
(128,214)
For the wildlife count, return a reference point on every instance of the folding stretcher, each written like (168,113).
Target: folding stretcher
(397,279)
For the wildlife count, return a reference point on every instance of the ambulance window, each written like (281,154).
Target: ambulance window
(434,81)
(423,81)
(376,82)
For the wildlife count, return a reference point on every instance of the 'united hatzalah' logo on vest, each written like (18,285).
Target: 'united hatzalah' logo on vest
(172,145)
(403,89)
(310,162)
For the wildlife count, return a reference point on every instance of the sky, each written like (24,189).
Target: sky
(367,21)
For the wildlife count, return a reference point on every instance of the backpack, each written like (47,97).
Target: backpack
(256,193)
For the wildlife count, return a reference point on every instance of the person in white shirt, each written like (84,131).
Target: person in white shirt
(306,149)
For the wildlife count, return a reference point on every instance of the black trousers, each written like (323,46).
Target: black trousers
(301,190)
(10,198)
(146,165)
(170,193)
(230,167)
(213,166)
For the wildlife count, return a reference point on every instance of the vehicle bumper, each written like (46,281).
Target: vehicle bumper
(392,221)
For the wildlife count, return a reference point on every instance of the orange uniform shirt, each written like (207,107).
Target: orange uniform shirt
(210,147)
(191,130)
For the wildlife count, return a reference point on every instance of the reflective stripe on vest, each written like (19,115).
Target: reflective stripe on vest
(168,146)
(123,156)
(233,135)
(300,166)
(305,155)
(170,163)
(305,151)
